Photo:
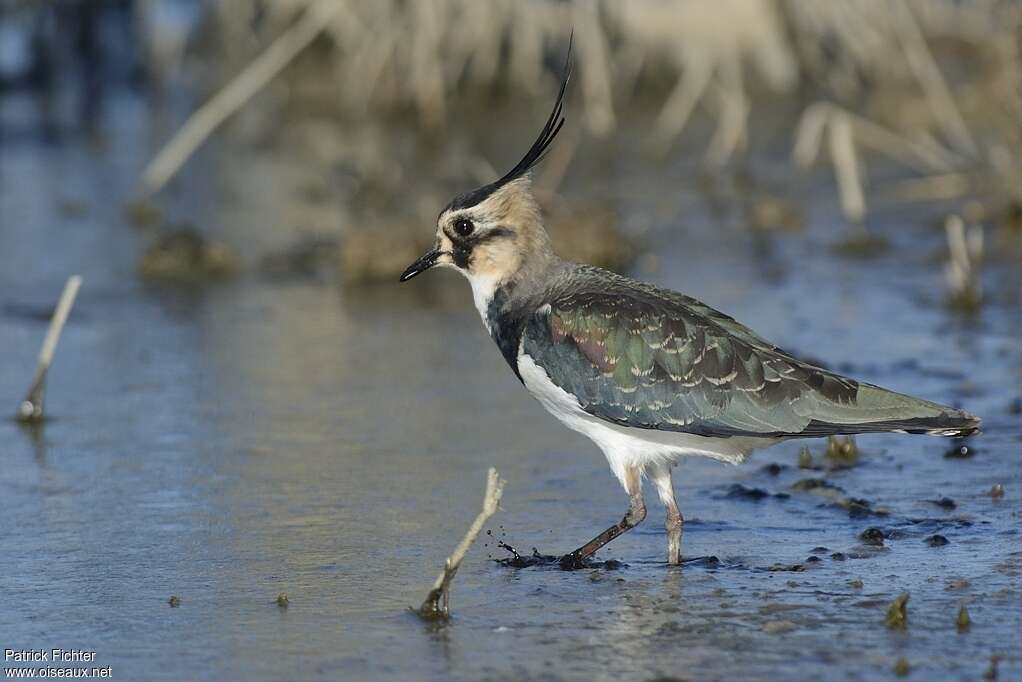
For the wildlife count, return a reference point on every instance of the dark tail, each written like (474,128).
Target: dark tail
(952,423)
(877,409)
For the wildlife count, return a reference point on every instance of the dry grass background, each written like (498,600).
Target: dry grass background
(933,87)
(932,84)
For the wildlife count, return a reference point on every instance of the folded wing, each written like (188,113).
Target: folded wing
(648,358)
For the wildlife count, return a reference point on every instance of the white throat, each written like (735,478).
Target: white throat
(483,288)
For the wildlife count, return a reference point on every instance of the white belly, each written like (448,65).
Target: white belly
(625,446)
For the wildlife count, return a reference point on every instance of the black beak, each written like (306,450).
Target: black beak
(424,263)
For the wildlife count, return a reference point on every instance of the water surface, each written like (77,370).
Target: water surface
(227,444)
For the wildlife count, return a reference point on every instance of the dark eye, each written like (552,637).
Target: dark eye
(464,226)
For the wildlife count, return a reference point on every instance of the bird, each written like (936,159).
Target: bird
(648,374)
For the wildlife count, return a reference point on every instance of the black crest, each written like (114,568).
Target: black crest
(535,153)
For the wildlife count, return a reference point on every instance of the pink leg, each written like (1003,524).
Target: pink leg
(636,513)
(660,475)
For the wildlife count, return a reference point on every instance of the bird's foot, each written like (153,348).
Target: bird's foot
(573,561)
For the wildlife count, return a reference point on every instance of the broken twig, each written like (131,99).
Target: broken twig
(436,605)
(31,408)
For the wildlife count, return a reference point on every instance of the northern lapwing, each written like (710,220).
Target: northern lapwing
(650,375)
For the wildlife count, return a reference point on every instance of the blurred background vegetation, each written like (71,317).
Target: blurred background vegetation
(374,113)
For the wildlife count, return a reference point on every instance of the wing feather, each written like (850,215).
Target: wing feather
(651,358)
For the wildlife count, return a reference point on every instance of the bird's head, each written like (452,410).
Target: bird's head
(494,231)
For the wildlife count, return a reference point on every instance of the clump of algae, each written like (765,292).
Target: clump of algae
(897,613)
(963,622)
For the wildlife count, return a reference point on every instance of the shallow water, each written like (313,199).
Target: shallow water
(227,445)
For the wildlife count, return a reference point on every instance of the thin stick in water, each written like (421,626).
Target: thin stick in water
(31,408)
(437,603)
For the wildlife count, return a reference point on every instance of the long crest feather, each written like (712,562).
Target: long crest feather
(553,125)
(550,130)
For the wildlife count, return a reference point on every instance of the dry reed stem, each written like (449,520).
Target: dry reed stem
(555,166)
(596,76)
(437,602)
(731,133)
(847,169)
(962,270)
(31,408)
(683,99)
(931,188)
(229,99)
(809,133)
(926,71)
(923,156)
(917,154)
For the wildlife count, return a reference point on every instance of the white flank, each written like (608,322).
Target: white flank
(625,446)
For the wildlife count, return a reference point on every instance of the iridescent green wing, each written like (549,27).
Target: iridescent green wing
(648,358)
